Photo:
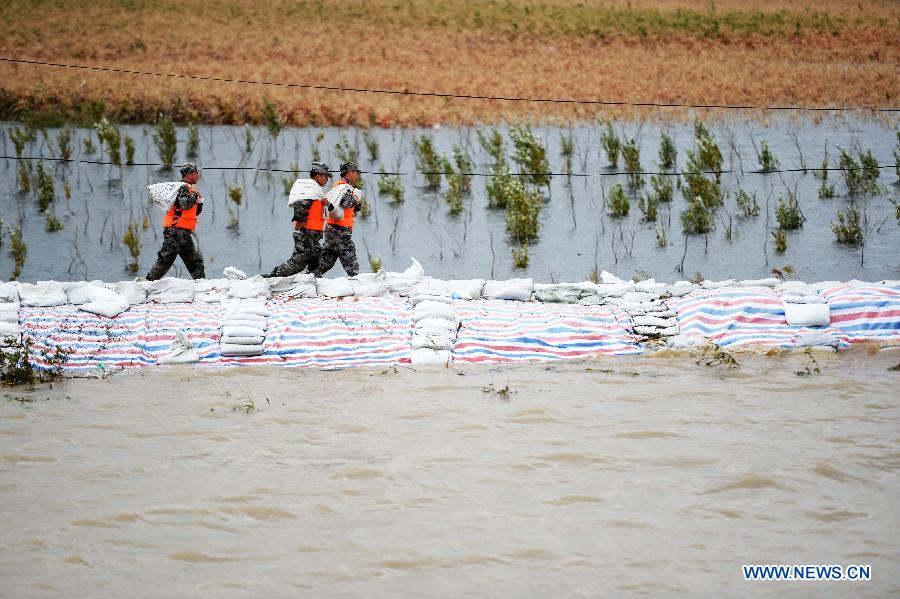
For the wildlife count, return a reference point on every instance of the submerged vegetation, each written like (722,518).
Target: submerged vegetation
(18,363)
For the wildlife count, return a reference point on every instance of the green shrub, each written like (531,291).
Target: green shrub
(492,145)
(193,141)
(44,187)
(371,146)
(708,156)
(530,155)
(618,203)
(780,240)
(428,162)
(17,368)
(747,204)
(663,188)
(697,219)
(567,150)
(64,142)
(132,241)
(271,118)
(859,177)
(453,195)
(19,251)
(520,257)
(109,135)
(668,154)
(19,138)
(23,176)
(345,151)
(129,150)
(612,145)
(463,166)
(631,155)
(523,209)
(52,224)
(165,138)
(767,160)
(697,185)
(389,185)
(648,205)
(788,214)
(848,229)
(248,142)
(826,191)
(89,145)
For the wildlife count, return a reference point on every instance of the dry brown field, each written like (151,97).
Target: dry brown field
(789,52)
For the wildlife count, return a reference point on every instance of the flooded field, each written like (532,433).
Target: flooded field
(650,476)
(577,234)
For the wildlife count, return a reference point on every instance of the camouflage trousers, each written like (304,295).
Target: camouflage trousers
(307,253)
(338,246)
(177,242)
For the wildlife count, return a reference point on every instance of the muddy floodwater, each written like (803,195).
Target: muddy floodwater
(612,477)
(577,235)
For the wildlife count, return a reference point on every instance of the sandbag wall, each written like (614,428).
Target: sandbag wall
(409,318)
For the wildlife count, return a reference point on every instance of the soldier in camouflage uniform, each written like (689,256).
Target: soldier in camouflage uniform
(309,222)
(178,229)
(339,230)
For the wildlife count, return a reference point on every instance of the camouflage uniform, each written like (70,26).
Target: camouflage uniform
(307,246)
(338,245)
(178,242)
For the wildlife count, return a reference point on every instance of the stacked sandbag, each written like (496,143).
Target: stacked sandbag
(518,290)
(43,294)
(299,286)
(9,314)
(401,283)
(243,326)
(645,303)
(435,328)
(567,293)
(170,290)
(104,302)
(370,284)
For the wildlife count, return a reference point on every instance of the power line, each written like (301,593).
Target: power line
(473,174)
(450,95)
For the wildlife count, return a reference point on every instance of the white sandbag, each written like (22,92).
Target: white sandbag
(430,297)
(607,278)
(650,320)
(132,291)
(434,310)
(432,325)
(9,292)
(562,293)
(230,330)
(165,194)
(228,349)
(258,340)
(680,288)
(613,289)
(807,315)
(170,291)
(248,288)
(241,320)
(369,284)
(770,282)
(817,339)
(43,294)
(804,299)
(9,329)
(432,342)
(236,316)
(651,286)
(794,288)
(467,289)
(638,297)
(718,284)
(77,292)
(513,289)
(685,341)
(339,287)
(305,189)
(400,283)
(430,305)
(233,306)
(105,302)
(9,312)
(233,274)
(296,286)
(430,357)
(181,352)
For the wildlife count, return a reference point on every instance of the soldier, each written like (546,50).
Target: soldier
(339,227)
(309,222)
(178,229)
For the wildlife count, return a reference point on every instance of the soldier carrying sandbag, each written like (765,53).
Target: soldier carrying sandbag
(307,198)
(179,224)
(344,200)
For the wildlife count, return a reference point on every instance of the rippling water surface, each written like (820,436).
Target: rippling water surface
(650,476)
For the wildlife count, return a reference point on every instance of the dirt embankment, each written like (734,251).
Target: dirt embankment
(730,52)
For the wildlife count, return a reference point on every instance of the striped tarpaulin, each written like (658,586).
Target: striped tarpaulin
(505,331)
(865,312)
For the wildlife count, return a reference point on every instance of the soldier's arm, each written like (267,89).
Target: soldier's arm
(186,198)
(301,212)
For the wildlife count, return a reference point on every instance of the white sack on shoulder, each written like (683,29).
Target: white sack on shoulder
(43,294)
(305,189)
(164,194)
(513,289)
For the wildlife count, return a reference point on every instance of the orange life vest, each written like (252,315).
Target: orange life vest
(347,221)
(315,219)
(183,219)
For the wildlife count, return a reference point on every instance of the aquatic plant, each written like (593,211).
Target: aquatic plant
(129,150)
(648,205)
(236,196)
(89,145)
(44,186)
(132,241)
(520,257)
(530,155)
(697,219)
(109,135)
(712,354)
(453,195)
(611,143)
(668,154)
(746,204)
(662,239)
(848,229)
(19,251)
(767,160)
(788,213)
(859,177)
(708,156)
(248,141)
(493,145)
(499,184)
(896,154)
(698,185)
(52,224)
(567,150)
(663,188)
(17,368)
(19,138)
(165,138)
(390,185)
(64,143)
(23,176)
(618,203)
(374,263)
(345,151)
(464,166)
(523,209)
(428,162)
(780,240)
(812,365)
(631,155)
(271,118)
(371,145)
(826,191)
(193,141)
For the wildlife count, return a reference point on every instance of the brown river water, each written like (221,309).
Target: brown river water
(646,476)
